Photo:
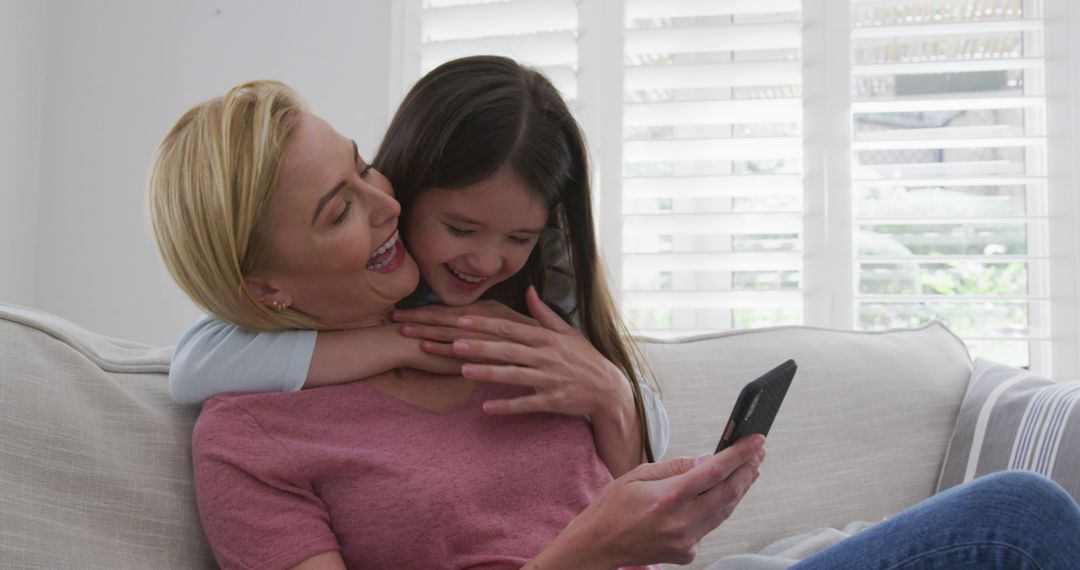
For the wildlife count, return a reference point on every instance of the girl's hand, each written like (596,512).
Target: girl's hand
(568,374)
(436,325)
(432,363)
(658,512)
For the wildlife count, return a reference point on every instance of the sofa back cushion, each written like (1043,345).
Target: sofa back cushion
(95,465)
(95,461)
(861,435)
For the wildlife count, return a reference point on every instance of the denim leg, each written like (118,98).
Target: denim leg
(1013,519)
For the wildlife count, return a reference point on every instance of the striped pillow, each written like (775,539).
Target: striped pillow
(1013,419)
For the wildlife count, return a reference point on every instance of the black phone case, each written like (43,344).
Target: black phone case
(758,404)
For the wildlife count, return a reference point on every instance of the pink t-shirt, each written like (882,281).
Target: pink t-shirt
(281,477)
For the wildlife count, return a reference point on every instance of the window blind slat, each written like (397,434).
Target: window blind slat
(921,132)
(952,181)
(713,38)
(514,18)
(718,299)
(554,48)
(737,74)
(713,149)
(924,259)
(641,9)
(715,223)
(713,186)
(714,112)
(939,220)
(953,299)
(921,68)
(946,143)
(948,104)
(948,29)
(705,261)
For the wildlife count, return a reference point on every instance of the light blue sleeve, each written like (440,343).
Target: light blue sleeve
(656,417)
(214,357)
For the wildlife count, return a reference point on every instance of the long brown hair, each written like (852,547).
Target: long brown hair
(471,116)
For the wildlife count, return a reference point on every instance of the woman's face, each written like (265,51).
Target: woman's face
(468,239)
(334,252)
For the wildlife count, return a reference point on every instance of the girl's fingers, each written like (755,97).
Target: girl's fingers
(438,348)
(440,333)
(543,313)
(522,405)
(509,330)
(447,350)
(431,315)
(498,351)
(447,316)
(504,374)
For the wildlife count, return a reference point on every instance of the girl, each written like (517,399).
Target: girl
(491,171)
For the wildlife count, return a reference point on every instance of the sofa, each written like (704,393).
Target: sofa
(95,465)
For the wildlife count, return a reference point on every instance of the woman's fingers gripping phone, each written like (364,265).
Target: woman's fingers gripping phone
(714,470)
(730,477)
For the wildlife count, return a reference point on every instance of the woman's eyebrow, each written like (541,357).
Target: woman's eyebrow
(337,188)
(326,198)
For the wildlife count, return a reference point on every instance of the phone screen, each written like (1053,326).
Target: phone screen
(757,405)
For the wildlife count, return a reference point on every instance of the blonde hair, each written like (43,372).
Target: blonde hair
(209,187)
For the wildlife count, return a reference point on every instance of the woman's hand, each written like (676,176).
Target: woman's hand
(658,512)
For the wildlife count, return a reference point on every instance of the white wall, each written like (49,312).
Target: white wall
(118,74)
(23,32)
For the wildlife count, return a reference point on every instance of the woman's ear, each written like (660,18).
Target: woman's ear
(266,293)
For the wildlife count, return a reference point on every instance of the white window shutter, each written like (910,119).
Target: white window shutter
(712,200)
(949,185)
(769,173)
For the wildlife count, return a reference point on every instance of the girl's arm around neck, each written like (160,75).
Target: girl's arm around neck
(356,354)
(214,357)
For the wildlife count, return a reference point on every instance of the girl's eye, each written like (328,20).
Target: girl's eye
(520,241)
(344,213)
(458,232)
(364,172)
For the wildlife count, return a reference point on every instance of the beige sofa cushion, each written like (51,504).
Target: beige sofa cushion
(861,435)
(95,466)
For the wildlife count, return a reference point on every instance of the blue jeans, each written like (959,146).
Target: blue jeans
(1013,519)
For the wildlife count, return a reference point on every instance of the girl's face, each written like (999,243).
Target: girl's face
(466,240)
(333,244)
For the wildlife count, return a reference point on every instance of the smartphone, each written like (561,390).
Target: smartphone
(757,405)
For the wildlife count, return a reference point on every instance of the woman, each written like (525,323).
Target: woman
(423,478)
(491,171)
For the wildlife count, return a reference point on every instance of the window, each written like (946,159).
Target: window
(864,164)
(949,186)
